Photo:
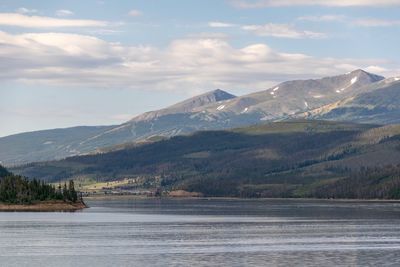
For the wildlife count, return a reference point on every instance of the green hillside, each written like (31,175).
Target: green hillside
(282,159)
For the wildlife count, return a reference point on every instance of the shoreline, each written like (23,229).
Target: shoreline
(44,206)
(133,197)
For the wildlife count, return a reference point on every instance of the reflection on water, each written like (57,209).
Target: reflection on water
(200,232)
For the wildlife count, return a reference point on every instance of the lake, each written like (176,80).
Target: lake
(202,232)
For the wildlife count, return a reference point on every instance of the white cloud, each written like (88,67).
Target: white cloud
(64,13)
(59,59)
(135,13)
(209,35)
(218,24)
(23,10)
(376,69)
(99,31)
(271,29)
(362,22)
(282,31)
(20,20)
(339,3)
(323,18)
(371,22)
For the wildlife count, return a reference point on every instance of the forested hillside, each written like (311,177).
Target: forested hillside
(283,159)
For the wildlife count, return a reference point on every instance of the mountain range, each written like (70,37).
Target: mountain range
(356,96)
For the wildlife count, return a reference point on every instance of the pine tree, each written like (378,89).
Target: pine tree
(72,193)
(65,192)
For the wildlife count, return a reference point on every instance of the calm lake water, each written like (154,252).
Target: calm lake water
(199,232)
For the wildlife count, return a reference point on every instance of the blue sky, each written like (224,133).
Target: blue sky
(67,63)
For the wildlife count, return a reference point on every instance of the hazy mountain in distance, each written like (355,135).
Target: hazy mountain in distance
(180,118)
(60,143)
(188,106)
(213,110)
(45,145)
(279,102)
(377,106)
(291,97)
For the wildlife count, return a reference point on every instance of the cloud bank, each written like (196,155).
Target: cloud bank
(21,20)
(185,64)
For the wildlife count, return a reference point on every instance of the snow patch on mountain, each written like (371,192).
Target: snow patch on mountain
(48,143)
(318,96)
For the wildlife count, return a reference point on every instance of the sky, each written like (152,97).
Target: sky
(102,62)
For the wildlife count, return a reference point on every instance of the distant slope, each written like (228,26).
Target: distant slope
(60,143)
(276,103)
(180,118)
(378,106)
(214,110)
(291,97)
(282,159)
(188,106)
(217,109)
(47,144)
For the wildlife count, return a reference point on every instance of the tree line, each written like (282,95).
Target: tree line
(16,189)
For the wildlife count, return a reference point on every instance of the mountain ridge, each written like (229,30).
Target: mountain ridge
(213,110)
(381,105)
(187,105)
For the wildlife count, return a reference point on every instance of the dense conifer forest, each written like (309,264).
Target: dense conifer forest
(15,189)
